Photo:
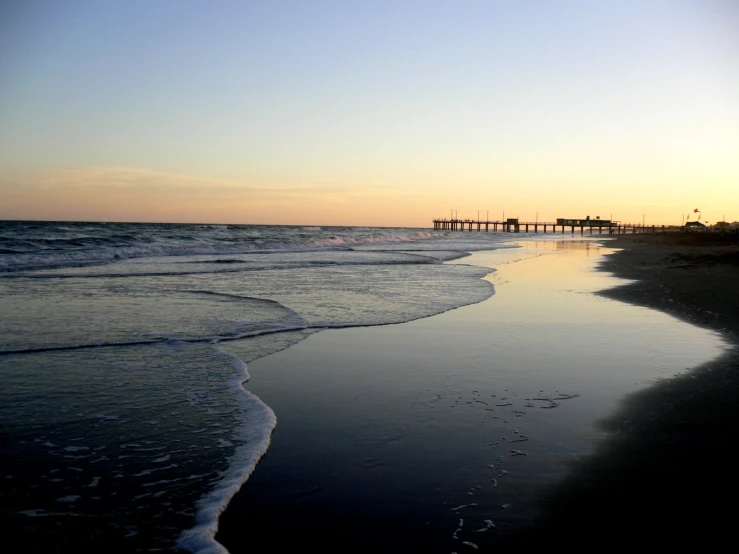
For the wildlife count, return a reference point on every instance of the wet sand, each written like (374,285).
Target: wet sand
(666,477)
(692,276)
(411,438)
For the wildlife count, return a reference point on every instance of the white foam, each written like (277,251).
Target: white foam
(488,525)
(464,506)
(254,439)
(349,241)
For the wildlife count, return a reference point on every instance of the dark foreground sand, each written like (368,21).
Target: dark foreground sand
(668,475)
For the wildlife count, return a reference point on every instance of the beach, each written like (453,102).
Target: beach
(537,416)
(692,276)
(666,476)
(360,389)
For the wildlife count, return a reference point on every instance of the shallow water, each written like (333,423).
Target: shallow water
(124,423)
(385,432)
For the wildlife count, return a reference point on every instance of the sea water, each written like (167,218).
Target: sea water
(125,424)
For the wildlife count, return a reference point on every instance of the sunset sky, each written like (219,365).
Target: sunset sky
(368,112)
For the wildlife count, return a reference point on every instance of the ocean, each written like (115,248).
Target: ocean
(126,424)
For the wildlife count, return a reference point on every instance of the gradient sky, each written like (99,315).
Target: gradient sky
(368,112)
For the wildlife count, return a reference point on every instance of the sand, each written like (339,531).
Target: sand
(693,276)
(667,475)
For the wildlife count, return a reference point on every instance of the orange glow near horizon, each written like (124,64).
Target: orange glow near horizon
(126,194)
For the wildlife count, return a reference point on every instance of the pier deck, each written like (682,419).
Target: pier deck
(611,228)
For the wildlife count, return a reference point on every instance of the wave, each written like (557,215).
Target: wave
(255,438)
(326,280)
(41,247)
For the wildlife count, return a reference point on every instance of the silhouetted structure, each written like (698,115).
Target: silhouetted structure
(513,225)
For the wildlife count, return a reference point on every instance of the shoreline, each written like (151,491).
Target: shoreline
(293,491)
(663,475)
(691,276)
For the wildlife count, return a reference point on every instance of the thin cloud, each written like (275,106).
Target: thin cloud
(125,193)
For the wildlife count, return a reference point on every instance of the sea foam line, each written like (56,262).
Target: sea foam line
(211,339)
(200,539)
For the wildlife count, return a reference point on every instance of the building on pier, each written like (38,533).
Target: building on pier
(587,222)
(694,226)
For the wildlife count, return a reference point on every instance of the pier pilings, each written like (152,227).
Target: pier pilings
(612,228)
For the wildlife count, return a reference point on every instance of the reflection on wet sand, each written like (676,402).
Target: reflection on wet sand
(448,430)
(665,477)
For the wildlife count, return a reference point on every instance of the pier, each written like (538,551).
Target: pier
(592,226)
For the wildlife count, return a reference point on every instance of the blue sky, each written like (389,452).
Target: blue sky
(368,112)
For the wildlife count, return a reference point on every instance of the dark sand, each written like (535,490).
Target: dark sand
(667,476)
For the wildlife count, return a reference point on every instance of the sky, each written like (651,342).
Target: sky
(358,112)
